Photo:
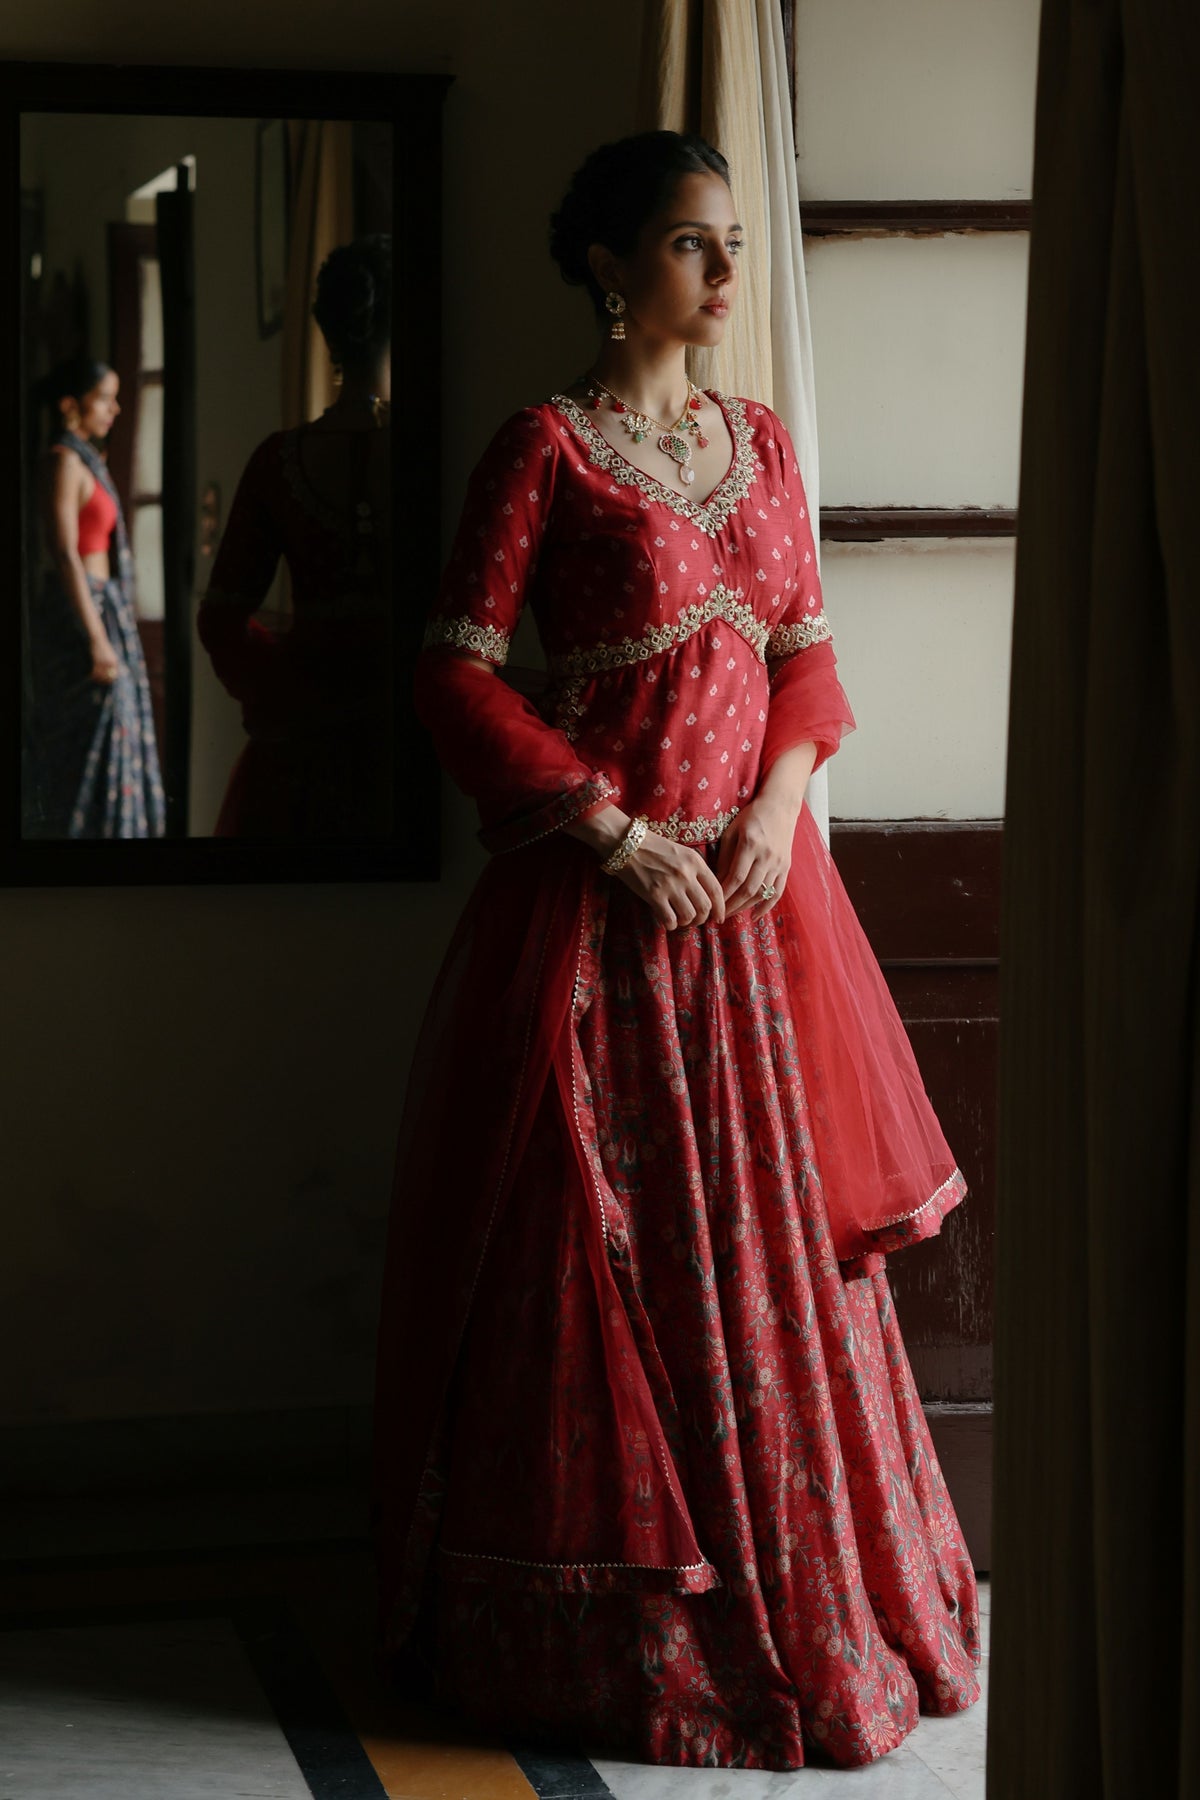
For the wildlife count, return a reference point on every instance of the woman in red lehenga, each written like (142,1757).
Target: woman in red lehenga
(652,1472)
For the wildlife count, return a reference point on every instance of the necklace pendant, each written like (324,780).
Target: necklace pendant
(676,446)
(619,406)
(702,440)
(686,475)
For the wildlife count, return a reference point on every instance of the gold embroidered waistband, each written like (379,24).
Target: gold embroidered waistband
(722,603)
(693,831)
(492,642)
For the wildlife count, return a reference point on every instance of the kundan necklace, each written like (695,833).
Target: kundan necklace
(673,440)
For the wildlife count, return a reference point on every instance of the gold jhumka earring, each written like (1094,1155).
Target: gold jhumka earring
(616,306)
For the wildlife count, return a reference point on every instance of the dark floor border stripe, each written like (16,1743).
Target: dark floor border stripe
(560,1777)
(331,1758)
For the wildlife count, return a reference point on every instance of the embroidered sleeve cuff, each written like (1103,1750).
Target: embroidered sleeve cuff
(488,641)
(562,810)
(786,640)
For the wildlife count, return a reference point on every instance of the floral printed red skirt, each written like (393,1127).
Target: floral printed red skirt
(837,1599)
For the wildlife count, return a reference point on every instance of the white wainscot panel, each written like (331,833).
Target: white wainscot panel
(922,635)
(907,99)
(918,351)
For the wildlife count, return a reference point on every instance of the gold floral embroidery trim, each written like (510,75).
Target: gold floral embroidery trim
(568,713)
(467,634)
(693,831)
(710,515)
(953,1183)
(722,603)
(517,1562)
(785,640)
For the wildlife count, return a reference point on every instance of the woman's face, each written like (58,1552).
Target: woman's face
(97,409)
(682,278)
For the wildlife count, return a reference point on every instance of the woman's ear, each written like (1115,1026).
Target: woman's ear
(603,265)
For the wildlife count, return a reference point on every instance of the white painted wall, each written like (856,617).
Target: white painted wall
(908,99)
(918,349)
(919,345)
(923,649)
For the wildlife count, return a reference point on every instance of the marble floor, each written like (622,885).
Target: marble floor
(177,1658)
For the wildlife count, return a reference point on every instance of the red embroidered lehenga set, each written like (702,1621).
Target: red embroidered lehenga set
(652,1472)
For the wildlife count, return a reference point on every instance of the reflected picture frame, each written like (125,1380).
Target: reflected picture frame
(411,105)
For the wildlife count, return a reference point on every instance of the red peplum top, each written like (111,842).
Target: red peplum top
(97,520)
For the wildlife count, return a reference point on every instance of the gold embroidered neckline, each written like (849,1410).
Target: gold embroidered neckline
(711,514)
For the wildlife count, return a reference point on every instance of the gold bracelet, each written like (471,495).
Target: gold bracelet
(628,847)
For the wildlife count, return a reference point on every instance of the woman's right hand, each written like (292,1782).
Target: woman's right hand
(106,665)
(675,882)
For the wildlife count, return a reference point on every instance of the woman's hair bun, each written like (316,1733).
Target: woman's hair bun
(353,306)
(72,378)
(616,189)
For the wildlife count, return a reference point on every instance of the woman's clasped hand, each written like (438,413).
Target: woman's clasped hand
(675,882)
(681,888)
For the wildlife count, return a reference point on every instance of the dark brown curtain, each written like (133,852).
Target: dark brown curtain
(1097,1492)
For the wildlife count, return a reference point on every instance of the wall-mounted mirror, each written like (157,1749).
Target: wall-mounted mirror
(218,281)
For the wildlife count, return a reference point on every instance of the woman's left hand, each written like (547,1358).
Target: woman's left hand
(756,852)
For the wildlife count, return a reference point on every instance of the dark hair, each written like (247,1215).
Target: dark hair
(74,377)
(616,190)
(353,306)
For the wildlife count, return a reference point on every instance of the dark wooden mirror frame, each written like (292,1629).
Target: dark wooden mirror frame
(412,105)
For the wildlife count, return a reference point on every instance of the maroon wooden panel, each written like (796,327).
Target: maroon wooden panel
(839,218)
(928,895)
(962,1439)
(925,889)
(874,524)
(943,1288)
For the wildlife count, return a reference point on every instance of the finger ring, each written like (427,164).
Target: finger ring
(767,892)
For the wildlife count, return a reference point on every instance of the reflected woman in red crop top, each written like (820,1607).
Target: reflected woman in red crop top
(316,698)
(91,761)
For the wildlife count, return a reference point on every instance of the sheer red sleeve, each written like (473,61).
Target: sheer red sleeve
(521,771)
(241,650)
(808,702)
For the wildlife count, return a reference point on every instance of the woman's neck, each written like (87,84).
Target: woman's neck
(650,379)
(358,403)
(360,392)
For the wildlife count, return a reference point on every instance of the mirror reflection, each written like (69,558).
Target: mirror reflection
(207,625)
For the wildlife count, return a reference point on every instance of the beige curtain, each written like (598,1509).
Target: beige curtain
(719,67)
(322,215)
(1095,1664)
